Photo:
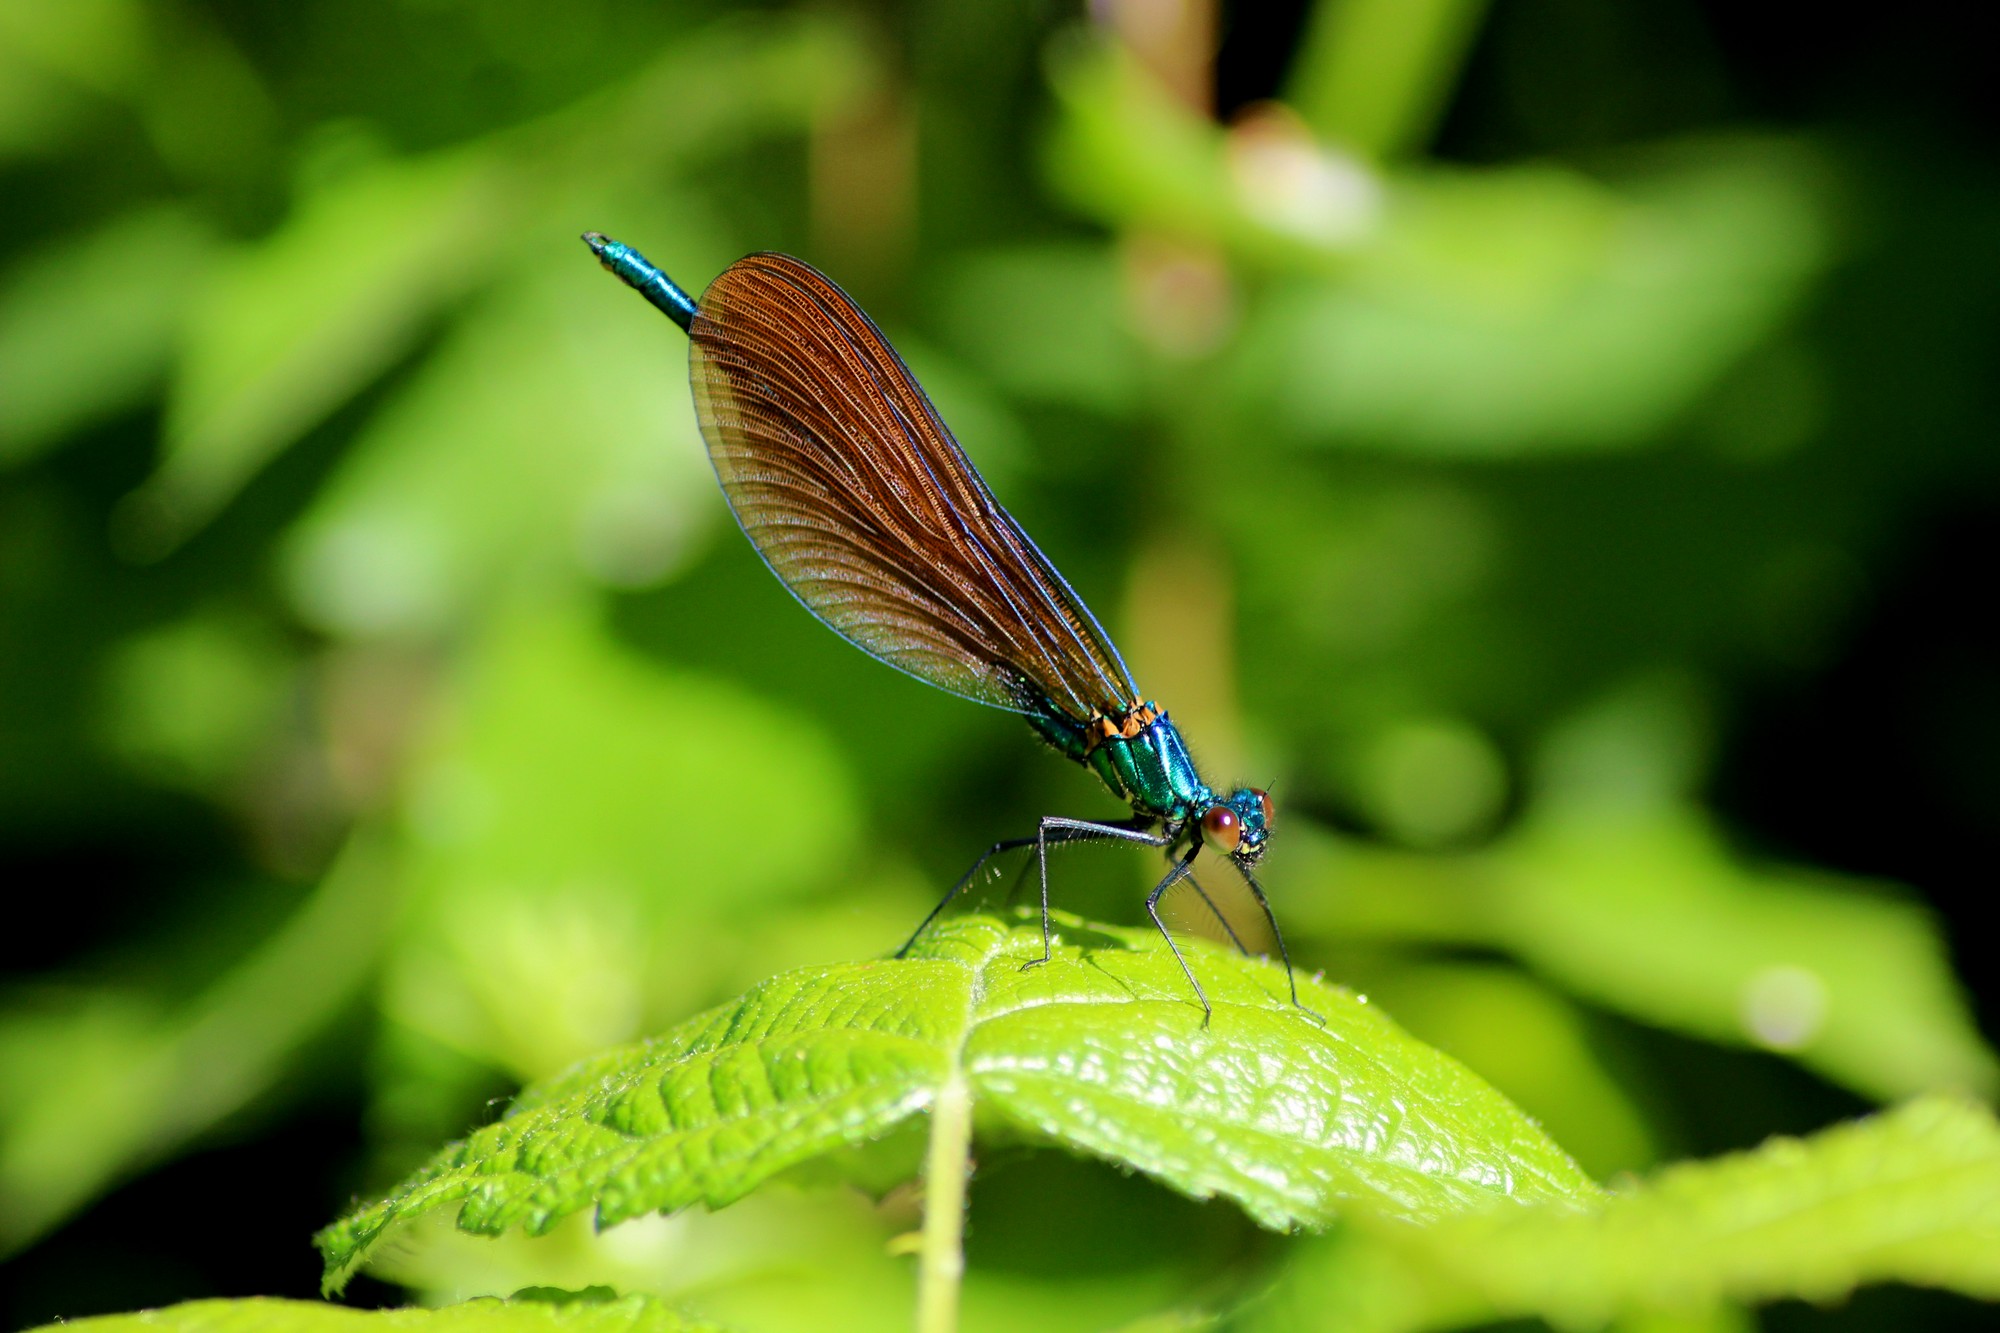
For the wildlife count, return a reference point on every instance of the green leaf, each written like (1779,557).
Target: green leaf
(1651,914)
(296,324)
(1648,912)
(1532,1044)
(1073,296)
(94,1086)
(547,433)
(293,326)
(1102,1050)
(86,325)
(566,820)
(1532,310)
(538,1310)
(1909,1196)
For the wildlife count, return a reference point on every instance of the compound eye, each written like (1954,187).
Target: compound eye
(1264,800)
(1221,829)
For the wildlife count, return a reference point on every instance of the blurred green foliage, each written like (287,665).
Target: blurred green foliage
(390,714)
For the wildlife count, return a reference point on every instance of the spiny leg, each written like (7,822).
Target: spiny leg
(1153,910)
(1021,875)
(1071,830)
(1076,830)
(1222,920)
(1284,955)
(1004,845)
(1014,889)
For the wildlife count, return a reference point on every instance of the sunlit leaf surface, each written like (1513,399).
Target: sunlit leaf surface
(1102,1049)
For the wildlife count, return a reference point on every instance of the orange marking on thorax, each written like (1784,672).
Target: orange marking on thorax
(1101,728)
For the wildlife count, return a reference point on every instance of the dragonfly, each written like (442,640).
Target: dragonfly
(858,497)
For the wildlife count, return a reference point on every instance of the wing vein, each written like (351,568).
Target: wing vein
(854,492)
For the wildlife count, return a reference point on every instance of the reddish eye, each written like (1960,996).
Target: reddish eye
(1221,829)
(1263,799)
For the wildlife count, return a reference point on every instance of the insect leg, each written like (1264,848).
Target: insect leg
(1054,829)
(1284,955)
(1014,889)
(1076,830)
(1004,845)
(1227,929)
(1153,910)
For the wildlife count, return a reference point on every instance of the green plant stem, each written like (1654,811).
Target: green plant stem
(1374,74)
(941,1259)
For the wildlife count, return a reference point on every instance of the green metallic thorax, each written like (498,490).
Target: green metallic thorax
(1151,771)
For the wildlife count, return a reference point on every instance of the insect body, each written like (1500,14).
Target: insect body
(859,499)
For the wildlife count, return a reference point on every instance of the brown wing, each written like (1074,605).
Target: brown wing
(858,498)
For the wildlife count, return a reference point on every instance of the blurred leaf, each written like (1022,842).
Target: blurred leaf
(1102,1049)
(1654,917)
(192,702)
(1126,147)
(1366,573)
(1172,1321)
(301,321)
(204,105)
(1616,886)
(80,1078)
(1531,309)
(35,109)
(95,43)
(1004,1302)
(91,1090)
(55,58)
(296,324)
(1645,745)
(1647,912)
(1072,297)
(1912,1195)
(1431,781)
(86,324)
(1128,152)
(1474,313)
(538,1311)
(746,75)
(782,1259)
(561,820)
(545,435)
